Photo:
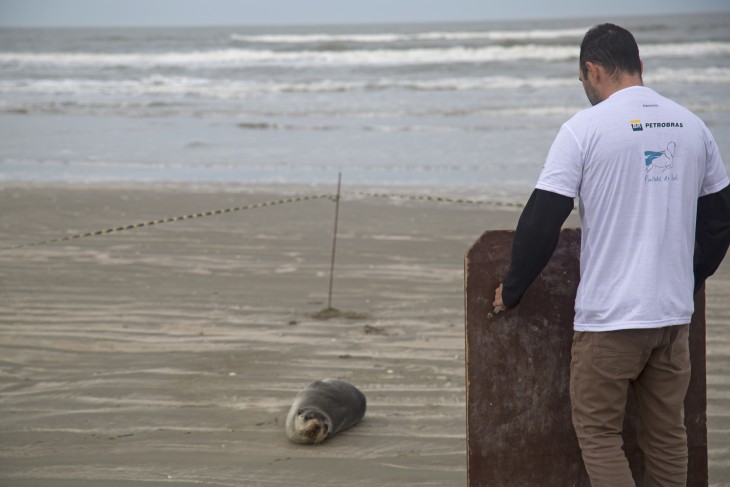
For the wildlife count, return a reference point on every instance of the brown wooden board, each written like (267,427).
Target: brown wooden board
(519,430)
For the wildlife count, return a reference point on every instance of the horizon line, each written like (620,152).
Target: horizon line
(355,23)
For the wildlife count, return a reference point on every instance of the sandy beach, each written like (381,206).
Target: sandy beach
(170,354)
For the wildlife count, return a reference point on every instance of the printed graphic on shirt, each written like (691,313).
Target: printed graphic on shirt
(636,125)
(660,159)
(658,162)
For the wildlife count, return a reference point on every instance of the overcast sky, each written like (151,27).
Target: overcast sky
(69,13)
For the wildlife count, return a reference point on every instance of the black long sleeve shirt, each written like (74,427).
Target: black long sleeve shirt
(535,240)
(712,235)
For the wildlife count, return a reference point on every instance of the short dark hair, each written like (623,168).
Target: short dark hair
(612,47)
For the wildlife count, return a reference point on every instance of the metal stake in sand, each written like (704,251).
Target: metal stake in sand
(334,239)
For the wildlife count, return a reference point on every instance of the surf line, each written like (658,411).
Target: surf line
(332,196)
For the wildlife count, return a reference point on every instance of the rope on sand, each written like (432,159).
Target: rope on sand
(297,199)
(161,221)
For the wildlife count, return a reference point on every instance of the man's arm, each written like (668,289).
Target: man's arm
(712,235)
(535,240)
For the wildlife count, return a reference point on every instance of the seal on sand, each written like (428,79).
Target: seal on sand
(323,409)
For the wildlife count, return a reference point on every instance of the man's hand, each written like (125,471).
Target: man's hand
(498,304)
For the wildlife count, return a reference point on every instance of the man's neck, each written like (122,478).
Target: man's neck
(625,81)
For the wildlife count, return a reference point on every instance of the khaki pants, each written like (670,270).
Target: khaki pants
(655,363)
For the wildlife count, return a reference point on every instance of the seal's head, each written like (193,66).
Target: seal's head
(311,426)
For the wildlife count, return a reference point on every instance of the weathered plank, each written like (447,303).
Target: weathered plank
(518,408)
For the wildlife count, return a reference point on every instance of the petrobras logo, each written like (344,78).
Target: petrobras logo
(638,126)
(657,125)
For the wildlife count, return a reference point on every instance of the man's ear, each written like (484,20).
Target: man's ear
(593,72)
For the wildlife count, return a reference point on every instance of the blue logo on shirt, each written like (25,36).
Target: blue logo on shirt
(660,159)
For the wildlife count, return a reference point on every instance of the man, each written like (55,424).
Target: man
(655,215)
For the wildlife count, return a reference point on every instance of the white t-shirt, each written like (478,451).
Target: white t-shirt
(638,162)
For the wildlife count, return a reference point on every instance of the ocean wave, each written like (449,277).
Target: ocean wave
(251,57)
(244,57)
(713,75)
(225,89)
(685,49)
(537,34)
(263,119)
(230,88)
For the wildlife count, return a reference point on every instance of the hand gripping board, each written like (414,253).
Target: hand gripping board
(519,430)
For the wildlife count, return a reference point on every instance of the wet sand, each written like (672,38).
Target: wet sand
(171,353)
